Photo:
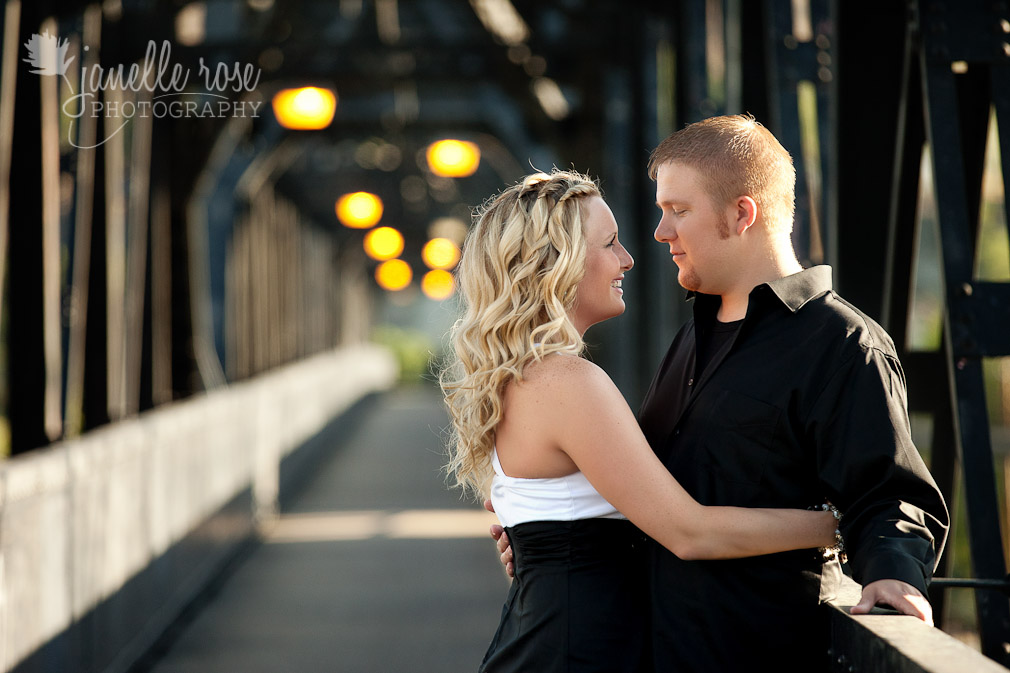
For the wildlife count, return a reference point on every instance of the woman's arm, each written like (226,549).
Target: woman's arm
(587,417)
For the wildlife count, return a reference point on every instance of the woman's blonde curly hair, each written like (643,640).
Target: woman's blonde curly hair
(518,275)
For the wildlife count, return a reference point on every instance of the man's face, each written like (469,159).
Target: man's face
(696,231)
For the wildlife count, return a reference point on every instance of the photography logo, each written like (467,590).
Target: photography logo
(49,55)
(162,87)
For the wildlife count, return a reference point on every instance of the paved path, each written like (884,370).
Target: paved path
(374,566)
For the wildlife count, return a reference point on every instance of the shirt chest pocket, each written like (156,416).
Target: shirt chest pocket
(741,437)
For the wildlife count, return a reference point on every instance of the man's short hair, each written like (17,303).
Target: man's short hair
(736,156)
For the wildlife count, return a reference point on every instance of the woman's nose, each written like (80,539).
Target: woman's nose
(629,261)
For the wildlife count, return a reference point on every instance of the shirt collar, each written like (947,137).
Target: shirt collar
(793,291)
(796,290)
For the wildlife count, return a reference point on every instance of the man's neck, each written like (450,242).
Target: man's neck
(778,262)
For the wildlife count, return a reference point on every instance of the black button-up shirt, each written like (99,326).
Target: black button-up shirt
(806,404)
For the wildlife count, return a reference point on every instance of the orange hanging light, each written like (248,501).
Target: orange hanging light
(306,109)
(438,284)
(359,210)
(453,158)
(393,275)
(383,243)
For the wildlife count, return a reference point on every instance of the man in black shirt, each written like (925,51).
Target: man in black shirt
(777,394)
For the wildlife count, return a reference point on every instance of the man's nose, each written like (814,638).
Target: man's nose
(664,232)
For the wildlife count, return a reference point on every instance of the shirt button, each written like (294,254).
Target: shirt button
(676,432)
(690,382)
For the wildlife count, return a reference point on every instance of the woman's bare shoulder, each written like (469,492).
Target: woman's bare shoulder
(559,397)
(563,374)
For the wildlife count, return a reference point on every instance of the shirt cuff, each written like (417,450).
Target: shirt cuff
(895,567)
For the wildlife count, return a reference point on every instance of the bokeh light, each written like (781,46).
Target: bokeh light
(440,253)
(453,158)
(383,243)
(393,275)
(438,284)
(453,228)
(306,109)
(359,210)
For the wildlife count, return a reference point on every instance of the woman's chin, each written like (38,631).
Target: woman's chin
(618,311)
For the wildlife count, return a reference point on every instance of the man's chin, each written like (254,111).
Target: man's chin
(689,282)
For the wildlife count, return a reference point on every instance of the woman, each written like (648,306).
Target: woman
(550,437)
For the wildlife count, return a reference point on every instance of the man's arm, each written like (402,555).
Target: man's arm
(894,518)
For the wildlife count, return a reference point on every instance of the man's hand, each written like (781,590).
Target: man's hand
(502,541)
(899,595)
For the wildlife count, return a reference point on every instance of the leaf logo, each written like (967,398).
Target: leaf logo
(48,54)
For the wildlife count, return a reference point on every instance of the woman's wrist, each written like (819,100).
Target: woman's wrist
(836,550)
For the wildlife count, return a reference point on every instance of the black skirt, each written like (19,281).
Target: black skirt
(578,603)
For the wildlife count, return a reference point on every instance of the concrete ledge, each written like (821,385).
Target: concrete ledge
(896,643)
(83,522)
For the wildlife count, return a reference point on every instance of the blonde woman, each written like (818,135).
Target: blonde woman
(548,435)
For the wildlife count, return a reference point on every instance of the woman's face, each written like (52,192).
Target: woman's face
(599,295)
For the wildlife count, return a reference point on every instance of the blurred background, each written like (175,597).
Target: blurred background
(226,223)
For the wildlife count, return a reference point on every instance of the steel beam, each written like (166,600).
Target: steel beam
(26,356)
(955,33)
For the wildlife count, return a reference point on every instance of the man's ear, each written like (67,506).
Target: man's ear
(745,213)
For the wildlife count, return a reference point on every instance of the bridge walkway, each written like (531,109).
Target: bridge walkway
(373,566)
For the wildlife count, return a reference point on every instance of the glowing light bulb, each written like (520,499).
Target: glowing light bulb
(359,210)
(306,109)
(438,284)
(440,253)
(393,275)
(383,243)
(453,158)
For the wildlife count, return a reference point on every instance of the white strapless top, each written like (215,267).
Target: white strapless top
(568,498)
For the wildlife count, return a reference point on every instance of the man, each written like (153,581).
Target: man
(777,394)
